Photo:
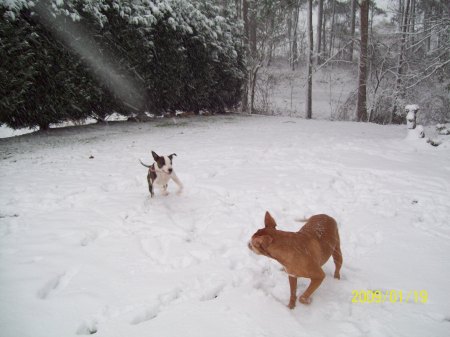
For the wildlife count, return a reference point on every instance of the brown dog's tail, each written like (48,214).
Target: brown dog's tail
(147,166)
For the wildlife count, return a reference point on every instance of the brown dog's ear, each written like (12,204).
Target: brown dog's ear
(269,222)
(171,156)
(155,156)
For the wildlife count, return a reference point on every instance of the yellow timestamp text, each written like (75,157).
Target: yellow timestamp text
(389,296)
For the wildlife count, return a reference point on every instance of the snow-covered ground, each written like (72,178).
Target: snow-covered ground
(6,132)
(83,249)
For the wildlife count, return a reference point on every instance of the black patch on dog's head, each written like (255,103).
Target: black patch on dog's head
(159,160)
(171,156)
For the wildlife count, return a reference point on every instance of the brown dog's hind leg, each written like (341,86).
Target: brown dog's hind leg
(337,258)
(293,287)
(316,280)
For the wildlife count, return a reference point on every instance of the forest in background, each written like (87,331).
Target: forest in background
(78,59)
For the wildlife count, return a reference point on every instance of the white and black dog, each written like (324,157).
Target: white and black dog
(160,172)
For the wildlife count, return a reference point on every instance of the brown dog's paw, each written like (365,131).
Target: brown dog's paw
(291,304)
(337,276)
(305,300)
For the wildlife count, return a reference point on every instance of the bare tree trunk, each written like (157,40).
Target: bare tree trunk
(252,30)
(245,17)
(412,29)
(247,49)
(309,63)
(271,41)
(254,74)
(289,34)
(426,27)
(254,60)
(324,37)
(352,30)
(295,37)
(361,106)
(398,91)
(44,126)
(319,31)
(404,30)
(400,12)
(372,6)
(332,29)
(442,34)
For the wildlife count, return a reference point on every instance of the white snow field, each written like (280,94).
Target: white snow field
(84,250)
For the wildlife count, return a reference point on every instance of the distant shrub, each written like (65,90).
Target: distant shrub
(180,55)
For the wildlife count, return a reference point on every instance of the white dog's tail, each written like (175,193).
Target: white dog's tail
(147,166)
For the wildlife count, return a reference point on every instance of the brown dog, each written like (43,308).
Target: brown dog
(303,253)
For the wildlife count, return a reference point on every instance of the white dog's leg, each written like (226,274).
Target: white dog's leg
(164,190)
(178,182)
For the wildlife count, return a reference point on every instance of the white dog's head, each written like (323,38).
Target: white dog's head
(164,163)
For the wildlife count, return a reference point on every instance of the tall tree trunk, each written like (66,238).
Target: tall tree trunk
(352,30)
(319,31)
(372,6)
(398,92)
(404,30)
(361,106)
(271,41)
(254,59)
(443,35)
(412,28)
(252,30)
(289,34)
(324,37)
(332,28)
(295,36)
(400,13)
(426,27)
(43,126)
(245,17)
(253,75)
(309,63)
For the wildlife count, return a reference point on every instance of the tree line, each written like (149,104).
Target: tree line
(405,59)
(79,58)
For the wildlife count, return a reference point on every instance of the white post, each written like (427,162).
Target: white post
(414,131)
(411,115)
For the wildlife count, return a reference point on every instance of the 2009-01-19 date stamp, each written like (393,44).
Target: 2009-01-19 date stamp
(389,296)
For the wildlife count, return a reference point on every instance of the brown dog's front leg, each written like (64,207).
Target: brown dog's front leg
(315,283)
(293,286)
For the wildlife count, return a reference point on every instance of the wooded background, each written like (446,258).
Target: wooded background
(78,59)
